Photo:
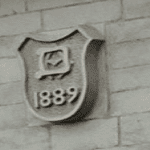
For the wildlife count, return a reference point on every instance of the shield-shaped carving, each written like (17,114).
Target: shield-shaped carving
(61,74)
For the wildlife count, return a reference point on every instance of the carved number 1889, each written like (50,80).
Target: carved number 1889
(57,97)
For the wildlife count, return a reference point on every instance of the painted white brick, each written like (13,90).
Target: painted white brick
(135,129)
(130,102)
(9,70)
(136,8)
(21,23)
(85,135)
(89,13)
(128,31)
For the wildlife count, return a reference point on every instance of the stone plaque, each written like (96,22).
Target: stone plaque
(61,74)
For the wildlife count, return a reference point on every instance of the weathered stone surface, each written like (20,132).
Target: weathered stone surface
(11,93)
(136,8)
(135,147)
(7,47)
(38,4)
(12,116)
(85,135)
(21,23)
(128,31)
(130,78)
(32,120)
(135,129)
(130,102)
(9,70)
(89,13)
(99,110)
(129,54)
(8,7)
(24,138)
(41,145)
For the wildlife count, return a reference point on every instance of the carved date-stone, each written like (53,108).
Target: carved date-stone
(60,76)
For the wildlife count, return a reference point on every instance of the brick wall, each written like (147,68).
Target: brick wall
(125,26)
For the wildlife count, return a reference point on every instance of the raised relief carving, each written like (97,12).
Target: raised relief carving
(53,61)
(60,76)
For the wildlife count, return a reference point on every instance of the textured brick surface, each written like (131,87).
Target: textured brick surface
(23,139)
(85,135)
(38,4)
(6,47)
(9,70)
(89,13)
(20,23)
(11,93)
(32,120)
(136,8)
(135,129)
(129,54)
(36,146)
(130,78)
(129,30)
(135,147)
(12,116)
(129,102)
(8,7)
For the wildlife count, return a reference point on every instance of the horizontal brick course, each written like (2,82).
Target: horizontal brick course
(89,13)
(23,139)
(136,8)
(135,129)
(41,145)
(21,23)
(9,70)
(130,102)
(32,120)
(12,116)
(85,135)
(128,31)
(129,54)
(6,47)
(38,4)
(11,93)
(130,78)
(135,147)
(8,7)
